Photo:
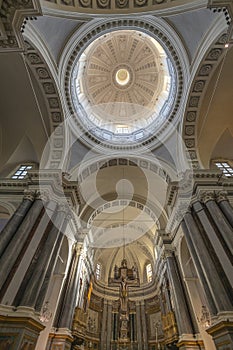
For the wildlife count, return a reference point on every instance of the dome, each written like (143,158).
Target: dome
(123,87)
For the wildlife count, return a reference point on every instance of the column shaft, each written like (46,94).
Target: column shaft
(205,256)
(30,292)
(23,235)
(139,328)
(103,329)
(222,225)
(68,299)
(167,297)
(49,273)
(192,251)
(144,328)
(13,224)
(109,325)
(227,210)
(184,320)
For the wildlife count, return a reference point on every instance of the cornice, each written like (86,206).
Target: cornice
(42,182)
(89,8)
(12,14)
(203,183)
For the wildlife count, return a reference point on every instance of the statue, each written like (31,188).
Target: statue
(124,296)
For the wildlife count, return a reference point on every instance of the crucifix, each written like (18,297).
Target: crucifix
(124,277)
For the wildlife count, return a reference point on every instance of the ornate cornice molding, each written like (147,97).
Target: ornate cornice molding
(225,6)
(118,7)
(45,185)
(12,14)
(207,185)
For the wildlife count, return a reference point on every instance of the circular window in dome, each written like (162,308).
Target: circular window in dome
(123,87)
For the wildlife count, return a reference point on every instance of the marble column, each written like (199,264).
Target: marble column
(109,326)
(49,273)
(206,258)
(103,325)
(221,223)
(139,326)
(69,294)
(162,303)
(15,221)
(225,206)
(62,337)
(166,289)
(144,327)
(201,275)
(184,314)
(18,244)
(32,283)
(184,320)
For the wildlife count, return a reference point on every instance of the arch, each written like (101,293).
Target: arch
(37,58)
(54,290)
(203,74)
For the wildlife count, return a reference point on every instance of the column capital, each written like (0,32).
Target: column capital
(78,248)
(221,196)
(168,253)
(207,196)
(42,194)
(29,194)
(64,208)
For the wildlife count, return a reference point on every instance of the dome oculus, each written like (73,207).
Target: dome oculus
(122,76)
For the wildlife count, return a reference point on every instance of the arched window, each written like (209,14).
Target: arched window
(149,272)
(21,171)
(225,166)
(98,271)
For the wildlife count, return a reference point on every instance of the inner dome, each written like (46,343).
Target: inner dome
(123,83)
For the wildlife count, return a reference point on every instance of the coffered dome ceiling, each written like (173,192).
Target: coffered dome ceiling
(123,86)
